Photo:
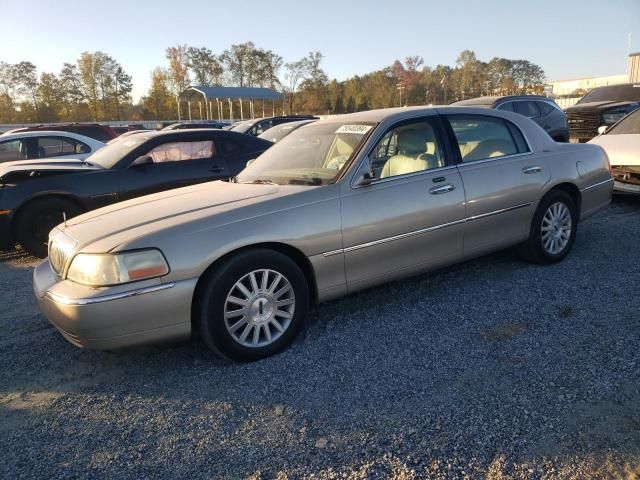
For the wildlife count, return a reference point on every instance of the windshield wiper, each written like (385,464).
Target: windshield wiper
(261,181)
(314,181)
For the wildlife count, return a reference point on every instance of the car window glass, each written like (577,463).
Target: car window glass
(13,150)
(56,147)
(481,137)
(526,108)
(545,108)
(409,148)
(226,146)
(508,106)
(179,151)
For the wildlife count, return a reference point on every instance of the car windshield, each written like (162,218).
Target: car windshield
(314,154)
(242,127)
(112,153)
(629,125)
(614,93)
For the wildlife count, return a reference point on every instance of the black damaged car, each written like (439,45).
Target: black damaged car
(35,196)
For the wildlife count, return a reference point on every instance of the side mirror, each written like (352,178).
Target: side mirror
(602,129)
(364,176)
(143,160)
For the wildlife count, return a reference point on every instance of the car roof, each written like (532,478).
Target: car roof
(489,100)
(48,133)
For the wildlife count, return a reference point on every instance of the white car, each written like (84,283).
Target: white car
(46,144)
(622,144)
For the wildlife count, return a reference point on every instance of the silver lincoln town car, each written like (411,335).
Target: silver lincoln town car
(337,206)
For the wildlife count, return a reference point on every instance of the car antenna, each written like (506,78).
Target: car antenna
(64,218)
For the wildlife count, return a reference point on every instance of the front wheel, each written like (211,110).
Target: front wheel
(553,229)
(38,218)
(252,306)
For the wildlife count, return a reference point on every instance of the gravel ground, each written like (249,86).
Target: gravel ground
(490,369)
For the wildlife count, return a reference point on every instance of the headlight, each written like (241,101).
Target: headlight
(100,270)
(611,117)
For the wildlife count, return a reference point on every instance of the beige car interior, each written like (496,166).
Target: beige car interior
(416,151)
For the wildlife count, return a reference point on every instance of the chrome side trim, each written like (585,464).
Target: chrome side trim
(494,159)
(597,184)
(422,230)
(106,298)
(496,212)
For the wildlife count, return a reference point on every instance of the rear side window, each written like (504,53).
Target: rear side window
(226,147)
(545,108)
(481,137)
(526,108)
(13,150)
(508,106)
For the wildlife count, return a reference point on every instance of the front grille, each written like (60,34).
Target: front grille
(583,125)
(61,247)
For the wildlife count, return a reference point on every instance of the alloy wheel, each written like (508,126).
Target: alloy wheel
(556,228)
(259,308)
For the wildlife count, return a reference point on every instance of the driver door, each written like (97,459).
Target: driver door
(410,217)
(172,165)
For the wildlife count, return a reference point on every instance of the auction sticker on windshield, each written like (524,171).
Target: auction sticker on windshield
(361,129)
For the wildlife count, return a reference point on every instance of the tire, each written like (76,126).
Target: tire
(222,323)
(38,218)
(554,211)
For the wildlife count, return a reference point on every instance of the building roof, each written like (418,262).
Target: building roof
(197,92)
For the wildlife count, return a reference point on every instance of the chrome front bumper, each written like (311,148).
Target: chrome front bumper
(114,317)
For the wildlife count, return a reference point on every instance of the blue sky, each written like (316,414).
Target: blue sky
(568,38)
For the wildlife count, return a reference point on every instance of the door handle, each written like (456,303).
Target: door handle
(216,169)
(532,169)
(442,189)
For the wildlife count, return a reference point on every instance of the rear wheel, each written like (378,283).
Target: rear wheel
(38,218)
(252,306)
(553,229)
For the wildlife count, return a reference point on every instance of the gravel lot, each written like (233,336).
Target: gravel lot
(490,369)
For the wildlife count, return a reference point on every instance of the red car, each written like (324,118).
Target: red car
(103,133)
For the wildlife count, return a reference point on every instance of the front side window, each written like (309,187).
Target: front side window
(60,146)
(480,137)
(180,151)
(314,155)
(13,150)
(508,106)
(409,148)
(526,108)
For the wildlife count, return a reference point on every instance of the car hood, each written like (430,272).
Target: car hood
(193,208)
(57,164)
(597,106)
(621,149)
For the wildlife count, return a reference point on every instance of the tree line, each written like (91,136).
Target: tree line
(97,88)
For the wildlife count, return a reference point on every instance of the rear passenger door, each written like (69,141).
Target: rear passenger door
(502,179)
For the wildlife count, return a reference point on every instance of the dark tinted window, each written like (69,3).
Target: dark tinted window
(545,108)
(526,108)
(613,93)
(508,106)
(227,146)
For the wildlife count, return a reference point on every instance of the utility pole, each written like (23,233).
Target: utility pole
(400,87)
